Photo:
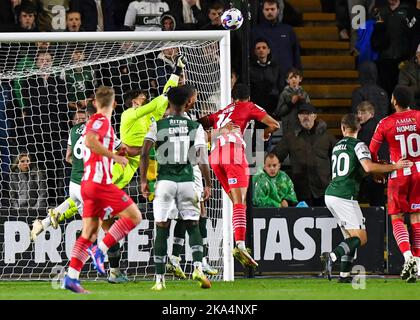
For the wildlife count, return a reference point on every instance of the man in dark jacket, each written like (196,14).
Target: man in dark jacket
(410,76)
(265,78)
(284,43)
(370,91)
(394,45)
(89,11)
(370,191)
(309,148)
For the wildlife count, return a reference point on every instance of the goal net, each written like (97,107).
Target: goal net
(45,79)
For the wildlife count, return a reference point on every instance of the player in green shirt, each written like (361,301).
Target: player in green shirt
(350,159)
(135,123)
(180,142)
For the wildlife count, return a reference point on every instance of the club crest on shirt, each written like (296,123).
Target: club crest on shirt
(97,124)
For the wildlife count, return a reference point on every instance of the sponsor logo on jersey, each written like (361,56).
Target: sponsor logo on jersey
(405,121)
(415,206)
(232,181)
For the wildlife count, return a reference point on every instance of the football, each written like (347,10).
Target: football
(232,19)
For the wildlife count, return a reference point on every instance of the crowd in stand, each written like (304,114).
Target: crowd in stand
(387,51)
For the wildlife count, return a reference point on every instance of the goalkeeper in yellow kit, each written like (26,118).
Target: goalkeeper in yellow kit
(135,123)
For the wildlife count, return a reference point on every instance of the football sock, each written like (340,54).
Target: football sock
(79,256)
(239,221)
(118,231)
(161,249)
(46,222)
(415,247)
(179,238)
(346,247)
(346,265)
(402,237)
(203,232)
(196,242)
(114,256)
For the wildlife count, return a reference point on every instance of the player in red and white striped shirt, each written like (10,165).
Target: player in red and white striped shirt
(401,131)
(102,199)
(228,160)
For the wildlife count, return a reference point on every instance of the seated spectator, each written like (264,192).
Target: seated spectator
(370,191)
(310,148)
(144,15)
(189,14)
(214,15)
(167,21)
(289,100)
(97,15)
(265,77)
(26,18)
(273,187)
(410,76)
(28,187)
(370,91)
(284,43)
(74,21)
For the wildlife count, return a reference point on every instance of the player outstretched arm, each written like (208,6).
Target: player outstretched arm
(69,152)
(160,103)
(372,167)
(272,125)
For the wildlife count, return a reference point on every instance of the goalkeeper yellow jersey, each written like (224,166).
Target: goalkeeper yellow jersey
(135,122)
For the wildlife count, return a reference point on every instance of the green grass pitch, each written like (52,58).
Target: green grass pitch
(252,289)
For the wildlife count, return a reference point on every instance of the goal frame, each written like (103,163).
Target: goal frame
(223,37)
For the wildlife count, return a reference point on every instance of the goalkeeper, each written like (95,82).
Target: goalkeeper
(135,123)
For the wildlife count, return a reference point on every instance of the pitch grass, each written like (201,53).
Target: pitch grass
(248,289)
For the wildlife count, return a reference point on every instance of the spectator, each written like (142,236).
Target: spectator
(370,91)
(8,14)
(214,15)
(310,148)
(144,15)
(266,82)
(80,81)
(410,76)
(291,97)
(120,9)
(26,18)
(414,24)
(291,16)
(391,42)
(190,14)
(370,191)
(28,188)
(167,21)
(273,187)
(52,14)
(97,15)
(74,21)
(284,43)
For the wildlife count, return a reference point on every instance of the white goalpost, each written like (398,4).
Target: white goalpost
(44,79)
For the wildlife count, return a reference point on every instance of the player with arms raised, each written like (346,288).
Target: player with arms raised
(102,199)
(228,161)
(350,158)
(401,131)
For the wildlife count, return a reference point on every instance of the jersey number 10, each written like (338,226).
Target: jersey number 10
(407,146)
